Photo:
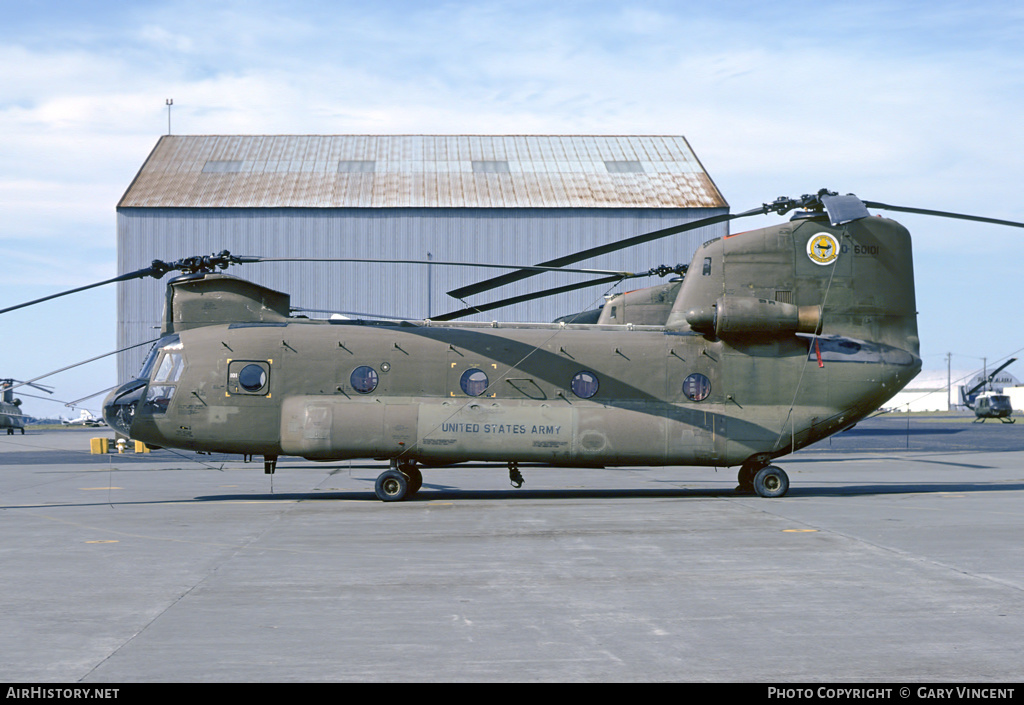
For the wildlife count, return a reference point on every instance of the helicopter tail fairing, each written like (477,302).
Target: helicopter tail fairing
(806,276)
(833,308)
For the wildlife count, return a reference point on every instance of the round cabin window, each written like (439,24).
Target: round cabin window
(584,384)
(252,378)
(696,387)
(473,382)
(364,379)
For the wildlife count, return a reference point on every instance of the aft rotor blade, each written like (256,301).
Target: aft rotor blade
(358,314)
(538,268)
(943,214)
(462,313)
(560,262)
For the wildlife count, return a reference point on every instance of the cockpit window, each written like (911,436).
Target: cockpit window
(147,364)
(158,397)
(171,365)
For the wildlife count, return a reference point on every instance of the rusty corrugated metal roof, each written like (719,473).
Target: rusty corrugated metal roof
(422,171)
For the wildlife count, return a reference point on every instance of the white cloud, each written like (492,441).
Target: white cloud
(160,38)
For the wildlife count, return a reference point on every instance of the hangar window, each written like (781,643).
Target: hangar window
(473,382)
(491,168)
(357,166)
(584,384)
(364,379)
(223,167)
(624,167)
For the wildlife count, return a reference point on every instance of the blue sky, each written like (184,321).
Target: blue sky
(911,103)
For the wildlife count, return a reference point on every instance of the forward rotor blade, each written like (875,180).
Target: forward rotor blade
(156,270)
(462,313)
(225,258)
(559,262)
(121,278)
(83,362)
(943,214)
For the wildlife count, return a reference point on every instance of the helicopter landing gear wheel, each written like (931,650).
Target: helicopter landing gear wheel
(771,481)
(746,479)
(391,486)
(413,476)
(514,476)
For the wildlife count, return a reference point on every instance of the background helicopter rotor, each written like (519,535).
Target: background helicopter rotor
(987,381)
(10,384)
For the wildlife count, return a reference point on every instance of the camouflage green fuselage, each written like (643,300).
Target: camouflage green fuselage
(777,338)
(640,412)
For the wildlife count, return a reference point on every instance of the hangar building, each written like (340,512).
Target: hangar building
(458,198)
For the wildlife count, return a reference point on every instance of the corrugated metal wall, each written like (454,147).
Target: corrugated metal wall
(505,235)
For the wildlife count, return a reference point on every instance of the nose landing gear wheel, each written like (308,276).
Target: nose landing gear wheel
(771,481)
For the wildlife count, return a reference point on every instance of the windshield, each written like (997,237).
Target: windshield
(1000,402)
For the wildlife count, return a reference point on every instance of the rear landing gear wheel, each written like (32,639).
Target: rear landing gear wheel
(391,486)
(771,481)
(413,475)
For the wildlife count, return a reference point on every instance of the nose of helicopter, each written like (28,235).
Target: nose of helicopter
(121,404)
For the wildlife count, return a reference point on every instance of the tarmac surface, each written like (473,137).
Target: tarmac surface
(897,556)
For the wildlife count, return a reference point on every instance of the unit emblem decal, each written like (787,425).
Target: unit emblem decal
(823,248)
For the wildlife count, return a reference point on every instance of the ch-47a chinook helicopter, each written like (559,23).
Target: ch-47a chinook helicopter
(11,417)
(774,339)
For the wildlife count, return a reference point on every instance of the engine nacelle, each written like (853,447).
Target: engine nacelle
(734,316)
